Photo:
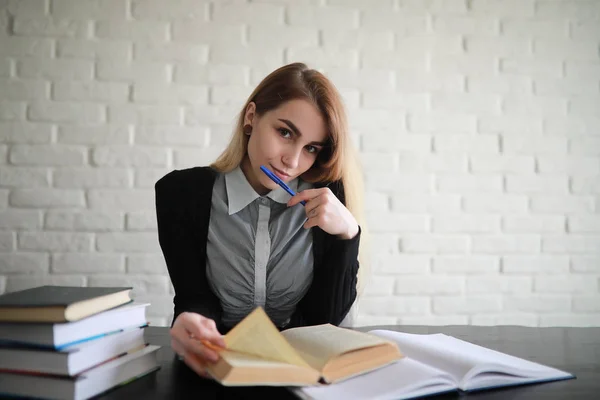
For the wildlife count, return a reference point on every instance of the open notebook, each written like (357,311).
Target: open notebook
(435,364)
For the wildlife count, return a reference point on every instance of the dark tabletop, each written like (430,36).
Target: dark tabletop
(574,350)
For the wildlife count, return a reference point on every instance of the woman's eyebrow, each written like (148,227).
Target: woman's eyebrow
(293,127)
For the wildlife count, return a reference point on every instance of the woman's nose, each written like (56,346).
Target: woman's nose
(291,158)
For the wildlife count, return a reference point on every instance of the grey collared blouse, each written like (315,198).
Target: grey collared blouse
(258,252)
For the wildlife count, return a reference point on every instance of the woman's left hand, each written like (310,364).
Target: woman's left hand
(324,210)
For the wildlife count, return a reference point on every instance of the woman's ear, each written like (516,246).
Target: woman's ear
(250,113)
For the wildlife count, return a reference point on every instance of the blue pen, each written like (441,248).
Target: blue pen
(278,181)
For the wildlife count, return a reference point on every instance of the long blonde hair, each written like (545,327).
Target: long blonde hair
(338,161)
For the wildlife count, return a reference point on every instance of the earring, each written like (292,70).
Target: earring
(247,129)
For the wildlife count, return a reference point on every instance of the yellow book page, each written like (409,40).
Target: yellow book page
(258,336)
(319,344)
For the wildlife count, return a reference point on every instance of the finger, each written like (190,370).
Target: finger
(315,218)
(305,195)
(205,329)
(311,207)
(193,342)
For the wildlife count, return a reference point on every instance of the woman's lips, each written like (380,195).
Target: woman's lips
(283,176)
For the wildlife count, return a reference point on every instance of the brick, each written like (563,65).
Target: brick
(141,220)
(6,67)
(174,10)
(13,46)
(170,52)
(508,164)
(12,111)
(554,49)
(24,177)
(566,204)
(14,283)
(503,85)
(87,263)
(537,184)
(513,124)
(534,106)
(363,79)
(30,8)
(83,221)
(503,8)
(24,263)
(441,122)
(7,241)
(402,264)
(463,305)
(136,31)
(585,264)
(94,134)
(470,65)
(229,95)
(466,143)
(20,220)
(447,183)
(219,135)
(58,69)
(195,116)
(159,305)
(573,126)
(188,158)
(185,95)
(146,264)
(380,306)
(425,203)
(563,87)
(495,244)
(584,70)
(580,10)
(132,71)
(171,135)
(126,156)
(503,319)
(565,284)
(379,286)
(131,242)
(47,155)
(372,58)
(571,244)
(112,92)
(336,58)
(46,198)
(434,244)
(121,199)
(419,81)
(539,304)
(381,40)
(531,67)
(143,115)
(322,17)
(210,33)
(411,102)
(499,284)
(502,47)
(259,14)
(485,104)
(261,57)
(399,183)
(435,6)
(585,146)
(218,74)
(24,132)
(586,106)
(465,223)
(534,224)
(585,184)
(580,165)
(376,18)
(154,284)
(379,161)
(55,241)
(459,25)
(586,303)
(385,142)
(534,264)
(373,201)
(84,113)
(4,198)
(433,320)
(147,177)
(462,265)
(13,89)
(522,29)
(570,319)
(93,9)
(379,222)
(94,49)
(51,27)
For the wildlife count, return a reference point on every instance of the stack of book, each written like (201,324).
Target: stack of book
(63,342)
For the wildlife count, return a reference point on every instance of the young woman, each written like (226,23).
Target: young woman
(234,240)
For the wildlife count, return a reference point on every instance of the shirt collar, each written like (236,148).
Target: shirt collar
(240,193)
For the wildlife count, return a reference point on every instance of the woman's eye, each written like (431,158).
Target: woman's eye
(285,132)
(311,149)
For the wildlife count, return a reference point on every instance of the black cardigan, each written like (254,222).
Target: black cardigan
(183,203)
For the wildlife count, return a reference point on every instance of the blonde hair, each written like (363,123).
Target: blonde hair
(338,161)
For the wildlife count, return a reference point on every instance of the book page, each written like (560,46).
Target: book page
(406,378)
(318,344)
(257,335)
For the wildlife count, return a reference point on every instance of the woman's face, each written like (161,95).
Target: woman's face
(286,140)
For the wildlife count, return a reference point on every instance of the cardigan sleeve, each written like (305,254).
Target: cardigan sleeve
(333,290)
(182,219)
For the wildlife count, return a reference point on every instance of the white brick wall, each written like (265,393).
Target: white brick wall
(478,124)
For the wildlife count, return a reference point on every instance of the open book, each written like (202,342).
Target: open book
(435,364)
(258,354)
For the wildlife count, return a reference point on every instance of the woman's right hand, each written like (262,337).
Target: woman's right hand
(188,333)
